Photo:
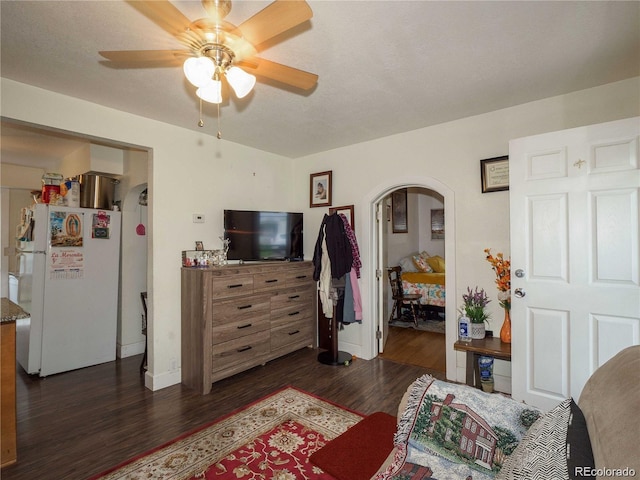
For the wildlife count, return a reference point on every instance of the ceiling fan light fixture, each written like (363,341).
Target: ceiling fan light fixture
(211,92)
(241,81)
(199,70)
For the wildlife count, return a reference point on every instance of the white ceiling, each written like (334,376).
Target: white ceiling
(384,67)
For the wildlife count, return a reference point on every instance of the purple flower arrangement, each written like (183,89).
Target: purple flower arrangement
(474,303)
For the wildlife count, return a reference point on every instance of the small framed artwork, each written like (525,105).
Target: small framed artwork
(399,211)
(320,189)
(494,174)
(437,224)
(347,211)
(199,246)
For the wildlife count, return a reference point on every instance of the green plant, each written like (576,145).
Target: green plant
(474,303)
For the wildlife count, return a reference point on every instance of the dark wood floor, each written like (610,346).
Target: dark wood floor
(78,424)
(416,347)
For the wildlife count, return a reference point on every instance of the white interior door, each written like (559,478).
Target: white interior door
(574,250)
(381,274)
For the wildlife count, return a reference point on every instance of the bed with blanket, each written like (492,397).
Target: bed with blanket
(425,275)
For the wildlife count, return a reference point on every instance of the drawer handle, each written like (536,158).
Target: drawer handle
(237,285)
(300,277)
(294,296)
(271,281)
(293,333)
(244,326)
(294,313)
(244,307)
(244,349)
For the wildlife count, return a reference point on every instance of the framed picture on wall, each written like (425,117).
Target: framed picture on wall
(320,189)
(494,174)
(399,211)
(347,211)
(437,224)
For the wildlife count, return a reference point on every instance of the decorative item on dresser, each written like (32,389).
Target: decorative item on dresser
(236,317)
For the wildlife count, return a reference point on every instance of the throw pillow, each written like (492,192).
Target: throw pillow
(436,263)
(421,264)
(407,265)
(556,446)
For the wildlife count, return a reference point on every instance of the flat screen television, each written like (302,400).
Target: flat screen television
(258,236)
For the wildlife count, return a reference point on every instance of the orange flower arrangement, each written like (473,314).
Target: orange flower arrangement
(502,268)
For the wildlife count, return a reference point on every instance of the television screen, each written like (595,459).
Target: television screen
(263,235)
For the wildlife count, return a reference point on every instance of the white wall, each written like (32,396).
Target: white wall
(426,203)
(195,173)
(133,271)
(450,153)
(402,244)
(420,201)
(189,173)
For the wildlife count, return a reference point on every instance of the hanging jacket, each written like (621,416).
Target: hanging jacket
(355,251)
(338,247)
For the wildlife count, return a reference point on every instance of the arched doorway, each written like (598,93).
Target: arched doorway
(371,226)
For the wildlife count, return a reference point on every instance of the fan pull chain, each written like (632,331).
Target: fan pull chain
(200,122)
(219,135)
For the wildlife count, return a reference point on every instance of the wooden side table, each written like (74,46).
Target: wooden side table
(489,346)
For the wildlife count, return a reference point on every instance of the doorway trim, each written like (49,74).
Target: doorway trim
(374,196)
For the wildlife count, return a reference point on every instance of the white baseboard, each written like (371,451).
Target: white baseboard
(124,351)
(162,380)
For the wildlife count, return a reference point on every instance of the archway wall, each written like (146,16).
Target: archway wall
(372,198)
(448,154)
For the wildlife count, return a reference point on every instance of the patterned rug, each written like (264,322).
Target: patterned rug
(272,438)
(427,325)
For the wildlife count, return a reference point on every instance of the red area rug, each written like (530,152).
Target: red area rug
(358,453)
(269,439)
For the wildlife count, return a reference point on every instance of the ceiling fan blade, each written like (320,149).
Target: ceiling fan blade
(146,58)
(280,73)
(163,14)
(276,18)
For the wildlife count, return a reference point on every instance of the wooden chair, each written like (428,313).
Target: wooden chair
(143,297)
(401,299)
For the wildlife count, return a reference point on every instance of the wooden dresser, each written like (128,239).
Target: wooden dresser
(238,316)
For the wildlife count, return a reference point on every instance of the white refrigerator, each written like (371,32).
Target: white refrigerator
(74,301)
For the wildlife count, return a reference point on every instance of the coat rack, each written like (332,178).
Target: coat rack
(333,356)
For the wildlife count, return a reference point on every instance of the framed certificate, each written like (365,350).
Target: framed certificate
(494,174)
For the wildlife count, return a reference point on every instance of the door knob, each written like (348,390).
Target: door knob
(519,293)
(519,273)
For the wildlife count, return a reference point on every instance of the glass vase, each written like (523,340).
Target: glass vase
(505,331)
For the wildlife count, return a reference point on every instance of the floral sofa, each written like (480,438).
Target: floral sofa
(450,431)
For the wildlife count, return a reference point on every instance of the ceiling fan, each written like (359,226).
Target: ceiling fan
(216,49)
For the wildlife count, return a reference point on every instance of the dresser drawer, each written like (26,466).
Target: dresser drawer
(269,281)
(241,328)
(239,350)
(300,276)
(225,286)
(248,308)
(290,333)
(292,299)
